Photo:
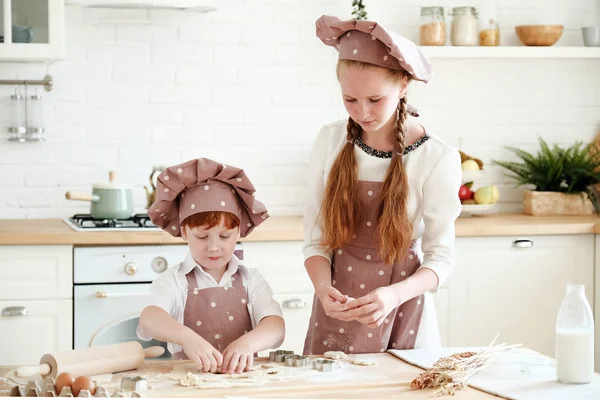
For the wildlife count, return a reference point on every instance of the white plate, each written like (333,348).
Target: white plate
(476,209)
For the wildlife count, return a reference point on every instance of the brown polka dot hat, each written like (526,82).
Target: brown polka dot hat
(369,42)
(202,185)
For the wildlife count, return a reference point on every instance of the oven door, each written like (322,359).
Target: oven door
(107,314)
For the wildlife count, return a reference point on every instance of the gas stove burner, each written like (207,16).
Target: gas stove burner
(87,222)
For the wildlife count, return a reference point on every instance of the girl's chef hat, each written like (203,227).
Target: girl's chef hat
(369,42)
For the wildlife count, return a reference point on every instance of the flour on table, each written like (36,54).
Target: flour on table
(364,361)
(335,355)
(187,375)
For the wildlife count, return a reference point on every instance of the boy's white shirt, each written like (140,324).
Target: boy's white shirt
(169,291)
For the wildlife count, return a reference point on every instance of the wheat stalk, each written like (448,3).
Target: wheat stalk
(452,373)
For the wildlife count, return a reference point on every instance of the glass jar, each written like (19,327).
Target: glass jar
(17,128)
(432,30)
(465,30)
(489,32)
(575,338)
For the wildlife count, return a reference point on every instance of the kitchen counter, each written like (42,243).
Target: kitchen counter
(56,231)
(390,378)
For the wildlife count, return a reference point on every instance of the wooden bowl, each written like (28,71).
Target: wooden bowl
(539,35)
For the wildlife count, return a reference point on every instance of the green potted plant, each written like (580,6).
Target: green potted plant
(563,179)
(358,10)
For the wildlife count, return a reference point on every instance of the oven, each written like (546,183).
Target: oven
(111,288)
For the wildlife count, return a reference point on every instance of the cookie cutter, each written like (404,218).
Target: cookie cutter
(134,383)
(279,355)
(296,360)
(323,365)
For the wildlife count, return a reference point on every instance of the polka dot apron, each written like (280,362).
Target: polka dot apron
(219,314)
(356,271)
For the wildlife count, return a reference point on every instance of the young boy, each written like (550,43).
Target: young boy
(210,308)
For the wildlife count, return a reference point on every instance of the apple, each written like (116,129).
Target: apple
(487,195)
(470,165)
(469,201)
(465,192)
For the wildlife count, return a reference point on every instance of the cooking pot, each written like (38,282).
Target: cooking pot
(108,200)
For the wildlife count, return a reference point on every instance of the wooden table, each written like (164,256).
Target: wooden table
(390,378)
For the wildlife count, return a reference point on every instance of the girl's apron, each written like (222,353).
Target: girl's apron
(356,271)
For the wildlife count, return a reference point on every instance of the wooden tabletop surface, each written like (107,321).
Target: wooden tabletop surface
(56,231)
(390,378)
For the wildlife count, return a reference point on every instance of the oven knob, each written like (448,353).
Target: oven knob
(159,264)
(131,268)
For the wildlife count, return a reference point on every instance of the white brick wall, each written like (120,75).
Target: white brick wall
(251,85)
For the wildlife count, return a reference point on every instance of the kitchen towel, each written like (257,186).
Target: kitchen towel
(520,374)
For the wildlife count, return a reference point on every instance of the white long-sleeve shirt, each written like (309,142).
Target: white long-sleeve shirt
(434,176)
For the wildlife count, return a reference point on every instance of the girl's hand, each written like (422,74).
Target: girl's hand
(373,308)
(334,303)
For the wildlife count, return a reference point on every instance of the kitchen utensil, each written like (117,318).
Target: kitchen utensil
(108,200)
(92,360)
(539,35)
(151,192)
(591,36)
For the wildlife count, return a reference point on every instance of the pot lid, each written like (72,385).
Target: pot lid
(112,177)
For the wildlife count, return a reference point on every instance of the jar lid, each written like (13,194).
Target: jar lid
(432,10)
(464,10)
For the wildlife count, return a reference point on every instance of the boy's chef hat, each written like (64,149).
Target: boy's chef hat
(202,185)
(369,42)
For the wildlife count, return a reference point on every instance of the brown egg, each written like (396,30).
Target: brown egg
(83,383)
(62,380)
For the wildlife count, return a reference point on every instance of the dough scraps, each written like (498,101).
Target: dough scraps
(187,375)
(364,361)
(335,355)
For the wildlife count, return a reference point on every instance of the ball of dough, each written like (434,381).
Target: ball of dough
(364,361)
(335,355)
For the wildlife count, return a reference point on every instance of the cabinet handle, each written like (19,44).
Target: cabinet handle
(104,295)
(294,303)
(522,243)
(18,311)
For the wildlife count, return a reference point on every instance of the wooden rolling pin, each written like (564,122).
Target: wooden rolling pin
(92,360)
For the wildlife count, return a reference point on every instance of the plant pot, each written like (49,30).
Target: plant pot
(556,203)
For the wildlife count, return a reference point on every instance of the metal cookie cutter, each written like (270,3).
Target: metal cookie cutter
(323,365)
(279,355)
(134,383)
(296,360)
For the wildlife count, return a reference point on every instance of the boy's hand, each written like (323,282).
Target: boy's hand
(202,353)
(237,357)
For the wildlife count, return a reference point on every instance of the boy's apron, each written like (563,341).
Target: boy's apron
(219,314)
(356,271)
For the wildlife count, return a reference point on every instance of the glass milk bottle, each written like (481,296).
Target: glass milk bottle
(575,338)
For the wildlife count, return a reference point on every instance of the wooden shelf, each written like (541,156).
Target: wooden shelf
(510,52)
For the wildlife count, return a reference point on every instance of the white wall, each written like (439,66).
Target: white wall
(250,85)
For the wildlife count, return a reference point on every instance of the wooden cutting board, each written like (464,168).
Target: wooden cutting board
(390,378)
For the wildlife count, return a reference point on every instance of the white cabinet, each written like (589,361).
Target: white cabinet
(36,306)
(31,329)
(282,265)
(36,272)
(514,286)
(31,30)
(596,306)
(442,310)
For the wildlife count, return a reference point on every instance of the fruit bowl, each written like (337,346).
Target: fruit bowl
(468,210)
(539,35)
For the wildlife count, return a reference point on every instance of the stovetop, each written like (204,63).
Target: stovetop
(85,222)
